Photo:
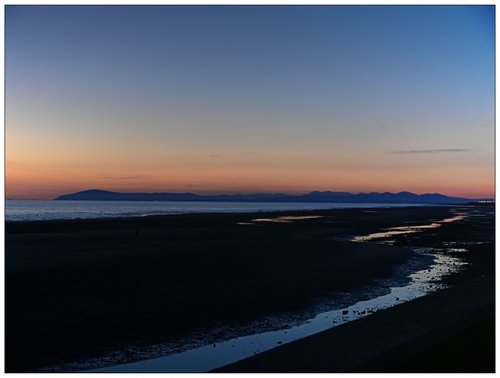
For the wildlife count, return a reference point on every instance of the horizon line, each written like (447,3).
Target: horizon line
(257,193)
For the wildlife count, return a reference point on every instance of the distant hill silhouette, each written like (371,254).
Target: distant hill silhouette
(316,196)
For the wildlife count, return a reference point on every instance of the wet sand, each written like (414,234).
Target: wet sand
(450,331)
(77,290)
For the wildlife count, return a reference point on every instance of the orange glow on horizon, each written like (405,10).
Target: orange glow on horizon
(26,181)
(246,109)
(37,169)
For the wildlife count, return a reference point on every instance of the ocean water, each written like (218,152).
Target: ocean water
(24,210)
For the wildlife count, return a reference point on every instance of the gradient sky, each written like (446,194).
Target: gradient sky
(221,99)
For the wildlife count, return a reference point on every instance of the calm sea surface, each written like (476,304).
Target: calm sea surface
(21,210)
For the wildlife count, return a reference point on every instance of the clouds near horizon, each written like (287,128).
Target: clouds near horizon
(431,151)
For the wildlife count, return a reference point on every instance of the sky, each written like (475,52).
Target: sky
(246,99)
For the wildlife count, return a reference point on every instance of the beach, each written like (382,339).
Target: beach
(82,294)
(450,331)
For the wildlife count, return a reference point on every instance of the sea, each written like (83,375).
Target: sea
(40,210)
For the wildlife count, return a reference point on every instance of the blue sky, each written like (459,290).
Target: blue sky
(261,98)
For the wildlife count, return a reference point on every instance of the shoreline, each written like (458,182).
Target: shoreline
(125,221)
(284,256)
(232,211)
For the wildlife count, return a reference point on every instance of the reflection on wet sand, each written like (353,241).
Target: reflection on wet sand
(401,230)
(210,356)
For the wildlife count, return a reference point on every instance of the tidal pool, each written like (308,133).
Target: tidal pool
(207,357)
(211,356)
(401,230)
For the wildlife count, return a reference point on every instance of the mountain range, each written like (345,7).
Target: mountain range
(315,196)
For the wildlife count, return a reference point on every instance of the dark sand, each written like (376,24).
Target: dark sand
(450,331)
(77,290)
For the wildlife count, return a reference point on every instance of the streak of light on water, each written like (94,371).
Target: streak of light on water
(402,230)
(211,356)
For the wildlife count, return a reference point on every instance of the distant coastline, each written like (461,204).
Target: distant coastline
(49,210)
(315,196)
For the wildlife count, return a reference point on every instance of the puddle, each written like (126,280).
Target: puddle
(457,250)
(394,231)
(459,216)
(402,230)
(463,242)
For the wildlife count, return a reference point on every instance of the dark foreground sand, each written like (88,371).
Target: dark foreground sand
(450,331)
(77,290)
